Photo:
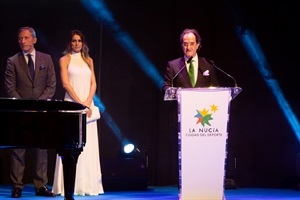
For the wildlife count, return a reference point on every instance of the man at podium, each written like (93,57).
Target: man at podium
(187,71)
(190,70)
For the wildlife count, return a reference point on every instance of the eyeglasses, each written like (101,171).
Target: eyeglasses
(186,44)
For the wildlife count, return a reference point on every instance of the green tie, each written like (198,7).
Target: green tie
(191,73)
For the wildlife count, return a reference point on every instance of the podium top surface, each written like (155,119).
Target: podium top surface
(172,92)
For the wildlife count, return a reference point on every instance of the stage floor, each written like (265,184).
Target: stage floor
(166,193)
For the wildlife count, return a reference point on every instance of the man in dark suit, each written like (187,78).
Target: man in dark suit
(177,75)
(177,71)
(20,83)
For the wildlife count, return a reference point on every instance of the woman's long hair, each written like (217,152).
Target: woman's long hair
(85,48)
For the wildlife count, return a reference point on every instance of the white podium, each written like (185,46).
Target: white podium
(203,115)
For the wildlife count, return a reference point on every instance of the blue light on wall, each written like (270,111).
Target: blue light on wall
(254,50)
(99,10)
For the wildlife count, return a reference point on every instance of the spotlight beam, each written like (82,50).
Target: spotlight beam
(108,119)
(100,12)
(254,50)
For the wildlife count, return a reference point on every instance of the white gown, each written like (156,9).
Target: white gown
(88,179)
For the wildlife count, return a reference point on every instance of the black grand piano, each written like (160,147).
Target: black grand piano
(47,124)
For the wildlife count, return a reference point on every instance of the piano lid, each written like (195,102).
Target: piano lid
(49,124)
(39,105)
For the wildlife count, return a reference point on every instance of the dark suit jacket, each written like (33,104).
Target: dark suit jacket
(18,82)
(182,79)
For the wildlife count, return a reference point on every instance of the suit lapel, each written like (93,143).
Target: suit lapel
(201,80)
(38,64)
(185,79)
(24,65)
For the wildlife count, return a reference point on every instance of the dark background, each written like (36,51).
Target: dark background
(262,147)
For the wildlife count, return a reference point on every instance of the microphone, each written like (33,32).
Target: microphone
(213,64)
(188,61)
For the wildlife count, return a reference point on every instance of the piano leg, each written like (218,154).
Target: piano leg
(69,160)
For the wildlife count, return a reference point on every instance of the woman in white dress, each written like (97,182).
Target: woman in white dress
(78,80)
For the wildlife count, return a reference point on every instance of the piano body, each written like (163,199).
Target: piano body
(46,124)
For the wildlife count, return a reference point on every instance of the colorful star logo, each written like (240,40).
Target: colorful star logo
(204,116)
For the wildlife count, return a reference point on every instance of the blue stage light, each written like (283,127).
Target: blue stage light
(128,148)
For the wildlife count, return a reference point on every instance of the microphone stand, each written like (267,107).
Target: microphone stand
(213,64)
(171,92)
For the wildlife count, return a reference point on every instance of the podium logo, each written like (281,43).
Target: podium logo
(204,116)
